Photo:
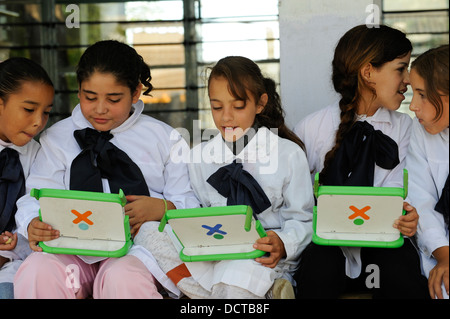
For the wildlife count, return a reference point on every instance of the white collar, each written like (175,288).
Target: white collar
(444,134)
(21,149)
(258,148)
(80,121)
(381,115)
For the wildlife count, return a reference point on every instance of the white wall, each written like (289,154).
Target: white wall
(309,32)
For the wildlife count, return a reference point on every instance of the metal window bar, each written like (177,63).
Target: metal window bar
(191,17)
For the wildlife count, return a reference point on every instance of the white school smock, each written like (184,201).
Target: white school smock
(27,154)
(318,132)
(148,142)
(280,168)
(428,166)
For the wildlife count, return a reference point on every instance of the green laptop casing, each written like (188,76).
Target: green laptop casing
(214,212)
(320,190)
(88,196)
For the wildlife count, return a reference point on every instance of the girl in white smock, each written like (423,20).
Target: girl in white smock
(26,99)
(428,165)
(132,152)
(253,140)
(363,141)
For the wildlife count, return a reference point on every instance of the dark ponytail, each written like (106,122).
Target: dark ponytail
(117,58)
(273,114)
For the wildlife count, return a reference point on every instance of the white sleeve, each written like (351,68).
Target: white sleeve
(303,132)
(47,171)
(177,186)
(394,177)
(423,195)
(296,211)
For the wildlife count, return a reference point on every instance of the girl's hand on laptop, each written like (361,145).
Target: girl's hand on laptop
(273,245)
(407,224)
(40,231)
(143,208)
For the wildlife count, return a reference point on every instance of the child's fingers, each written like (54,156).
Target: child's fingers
(135,228)
(4,239)
(34,245)
(446,284)
(40,231)
(434,285)
(37,224)
(269,261)
(132,198)
(12,240)
(407,224)
(406,229)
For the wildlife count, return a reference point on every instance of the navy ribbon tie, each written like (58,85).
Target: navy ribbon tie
(12,187)
(99,159)
(239,187)
(354,161)
(442,204)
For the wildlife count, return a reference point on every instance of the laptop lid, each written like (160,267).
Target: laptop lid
(215,233)
(358,216)
(86,220)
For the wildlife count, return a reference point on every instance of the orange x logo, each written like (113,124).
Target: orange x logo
(82,217)
(359,212)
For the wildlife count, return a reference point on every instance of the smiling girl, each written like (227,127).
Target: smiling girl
(26,99)
(106,145)
(362,141)
(428,161)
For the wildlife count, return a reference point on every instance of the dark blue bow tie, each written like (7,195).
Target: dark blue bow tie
(442,205)
(12,187)
(354,161)
(99,159)
(239,187)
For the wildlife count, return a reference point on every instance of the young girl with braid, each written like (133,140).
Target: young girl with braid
(370,72)
(106,144)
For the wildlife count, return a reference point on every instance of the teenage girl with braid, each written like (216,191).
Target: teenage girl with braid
(108,126)
(370,72)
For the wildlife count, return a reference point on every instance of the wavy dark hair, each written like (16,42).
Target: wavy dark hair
(358,47)
(244,75)
(117,58)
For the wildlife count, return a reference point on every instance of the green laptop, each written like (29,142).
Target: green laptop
(358,216)
(215,233)
(90,223)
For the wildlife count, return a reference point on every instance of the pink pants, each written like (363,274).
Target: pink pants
(66,276)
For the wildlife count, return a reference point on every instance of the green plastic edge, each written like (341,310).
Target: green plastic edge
(216,211)
(214,257)
(358,190)
(208,211)
(82,195)
(361,190)
(92,252)
(353,243)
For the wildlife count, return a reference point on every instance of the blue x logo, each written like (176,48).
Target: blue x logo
(215,229)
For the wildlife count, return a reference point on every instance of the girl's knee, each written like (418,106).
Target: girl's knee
(125,277)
